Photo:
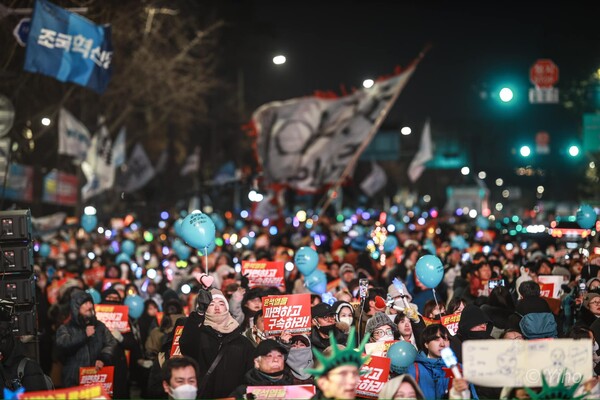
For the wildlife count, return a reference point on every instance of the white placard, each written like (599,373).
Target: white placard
(556,280)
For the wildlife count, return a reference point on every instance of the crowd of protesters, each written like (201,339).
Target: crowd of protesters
(224,346)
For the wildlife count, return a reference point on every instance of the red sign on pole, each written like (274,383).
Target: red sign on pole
(544,74)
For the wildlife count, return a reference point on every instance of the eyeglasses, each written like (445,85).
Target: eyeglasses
(329,317)
(381,332)
(594,303)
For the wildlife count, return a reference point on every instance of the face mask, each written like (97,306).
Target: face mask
(478,335)
(386,338)
(184,392)
(326,329)
(347,320)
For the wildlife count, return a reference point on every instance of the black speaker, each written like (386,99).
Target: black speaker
(25,322)
(16,258)
(19,291)
(15,225)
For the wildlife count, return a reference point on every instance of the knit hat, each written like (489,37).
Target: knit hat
(561,271)
(337,308)
(217,294)
(377,321)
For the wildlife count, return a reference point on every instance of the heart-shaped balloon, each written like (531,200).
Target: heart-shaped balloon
(206,280)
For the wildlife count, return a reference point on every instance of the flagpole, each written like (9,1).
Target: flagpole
(380,118)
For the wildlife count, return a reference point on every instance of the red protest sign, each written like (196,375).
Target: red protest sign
(370,384)
(89,376)
(292,392)
(287,313)
(75,393)
(115,317)
(93,275)
(175,349)
(451,322)
(546,289)
(263,273)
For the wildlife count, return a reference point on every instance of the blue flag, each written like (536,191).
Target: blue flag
(68,47)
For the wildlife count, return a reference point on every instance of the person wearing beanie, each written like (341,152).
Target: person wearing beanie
(214,339)
(401,387)
(381,328)
(344,315)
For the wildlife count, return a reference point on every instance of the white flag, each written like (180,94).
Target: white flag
(424,154)
(98,167)
(375,181)
(139,170)
(118,151)
(192,163)
(73,137)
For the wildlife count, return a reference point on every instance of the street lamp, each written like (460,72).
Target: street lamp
(525,151)
(406,131)
(506,94)
(368,83)
(278,60)
(574,151)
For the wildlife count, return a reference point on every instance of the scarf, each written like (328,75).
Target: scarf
(224,323)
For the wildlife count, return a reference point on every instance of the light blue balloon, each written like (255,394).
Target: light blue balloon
(95,295)
(89,222)
(306,260)
(586,216)
(390,244)
(128,247)
(44,250)
(123,258)
(177,226)
(402,354)
(483,222)
(183,252)
(218,221)
(430,271)
(211,247)
(316,282)
(459,242)
(239,225)
(136,305)
(429,246)
(198,230)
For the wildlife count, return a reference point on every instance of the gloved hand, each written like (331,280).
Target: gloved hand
(202,301)
(412,313)
(117,335)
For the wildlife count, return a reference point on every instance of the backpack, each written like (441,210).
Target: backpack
(21,374)
(538,325)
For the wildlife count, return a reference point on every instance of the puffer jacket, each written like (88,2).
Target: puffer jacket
(76,348)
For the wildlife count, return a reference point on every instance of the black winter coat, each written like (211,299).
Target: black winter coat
(77,349)
(255,378)
(203,343)
(33,376)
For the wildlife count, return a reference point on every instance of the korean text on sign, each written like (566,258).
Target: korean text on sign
(115,317)
(371,383)
(287,313)
(451,322)
(89,376)
(175,349)
(264,273)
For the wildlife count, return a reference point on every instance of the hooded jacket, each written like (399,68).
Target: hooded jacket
(255,378)
(77,349)
(470,317)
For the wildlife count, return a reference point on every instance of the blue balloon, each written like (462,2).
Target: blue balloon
(95,295)
(177,226)
(135,304)
(128,247)
(306,260)
(483,222)
(430,271)
(198,230)
(239,225)
(211,247)
(89,222)
(586,216)
(122,258)
(402,354)
(359,243)
(44,250)
(218,221)
(316,282)
(183,252)
(459,242)
(390,244)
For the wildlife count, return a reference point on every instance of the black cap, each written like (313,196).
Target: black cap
(266,346)
(321,310)
(301,338)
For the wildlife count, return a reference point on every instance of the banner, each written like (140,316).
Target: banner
(370,384)
(287,313)
(68,47)
(115,317)
(138,172)
(74,393)
(19,185)
(49,222)
(60,188)
(551,286)
(518,363)
(379,349)
(175,349)
(424,154)
(264,273)
(451,322)
(292,392)
(98,168)
(375,181)
(308,142)
(89,376)
(74,139)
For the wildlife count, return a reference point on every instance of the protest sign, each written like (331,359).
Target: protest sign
(89,376)
(370,384)
(293,392)
(263,273)
(550,285)
(115,317)
(379,349)
(175,350)
(518,363)
(93,275)
(451,322)
(287,313)
(74,393)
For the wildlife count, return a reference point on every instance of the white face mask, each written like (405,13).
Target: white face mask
(184,392)
(347,320)
(386,338)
